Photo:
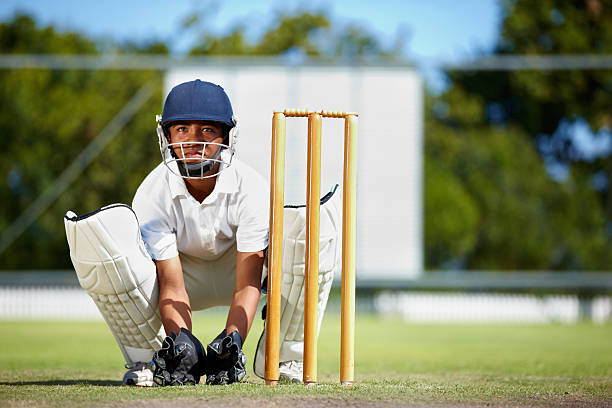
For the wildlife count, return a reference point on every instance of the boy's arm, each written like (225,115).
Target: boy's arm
(174,305)
(226,363)
(246,292)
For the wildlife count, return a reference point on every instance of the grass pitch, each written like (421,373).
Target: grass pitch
(75,364)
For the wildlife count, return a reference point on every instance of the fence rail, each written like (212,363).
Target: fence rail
(483,281)
(581,283)
(474,297)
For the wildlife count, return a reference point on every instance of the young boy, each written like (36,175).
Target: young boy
(203,214)
(203,218)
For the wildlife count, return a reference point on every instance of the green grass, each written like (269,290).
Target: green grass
(78,364)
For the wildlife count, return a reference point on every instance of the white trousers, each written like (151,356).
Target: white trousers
(210,283)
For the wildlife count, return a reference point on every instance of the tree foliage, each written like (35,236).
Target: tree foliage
(540,100)
(499,133)
(490,204)
(490,200)
(48,117)
(307,32)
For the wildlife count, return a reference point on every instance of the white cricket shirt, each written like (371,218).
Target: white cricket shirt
(172,221)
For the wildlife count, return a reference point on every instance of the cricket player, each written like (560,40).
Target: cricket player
(194,238)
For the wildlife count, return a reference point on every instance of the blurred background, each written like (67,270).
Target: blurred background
(485,138)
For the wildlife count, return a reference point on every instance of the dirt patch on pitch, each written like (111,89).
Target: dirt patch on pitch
(301,402)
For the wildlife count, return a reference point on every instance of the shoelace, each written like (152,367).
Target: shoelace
(293,364)
(139,365)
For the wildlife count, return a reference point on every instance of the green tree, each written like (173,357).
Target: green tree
(497,131)
(490,204)
(293,32)
(48,117)
(539,100)
(308,32)
(52,115)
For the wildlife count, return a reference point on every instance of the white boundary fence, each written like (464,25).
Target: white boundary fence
(51,302)
(491,307)
(439,297)
(73,303)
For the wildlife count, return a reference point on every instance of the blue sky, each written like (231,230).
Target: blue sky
(438,29)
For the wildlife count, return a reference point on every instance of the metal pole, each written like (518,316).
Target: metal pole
(275,253)
(313,190)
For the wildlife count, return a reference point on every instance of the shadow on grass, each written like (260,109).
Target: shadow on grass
(66,382)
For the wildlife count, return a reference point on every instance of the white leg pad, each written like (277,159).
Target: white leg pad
(115,269)
(293,277)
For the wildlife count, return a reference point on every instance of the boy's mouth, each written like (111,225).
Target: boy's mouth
(193,155)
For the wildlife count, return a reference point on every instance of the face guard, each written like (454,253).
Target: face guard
(200,167)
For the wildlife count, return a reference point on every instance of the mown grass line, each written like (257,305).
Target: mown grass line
(77,364)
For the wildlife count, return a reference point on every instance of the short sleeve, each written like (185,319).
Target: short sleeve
(253,222)
(157,233)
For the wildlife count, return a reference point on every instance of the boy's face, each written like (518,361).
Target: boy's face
(186,132)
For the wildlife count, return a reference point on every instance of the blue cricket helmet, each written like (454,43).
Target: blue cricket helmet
(198,100)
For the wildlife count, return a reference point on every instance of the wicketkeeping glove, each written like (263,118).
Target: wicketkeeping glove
(180,361)
(226,362)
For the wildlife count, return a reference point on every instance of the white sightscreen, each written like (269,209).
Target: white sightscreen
(390,171)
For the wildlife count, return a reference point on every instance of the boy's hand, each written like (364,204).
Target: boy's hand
(180,361)
(226,362)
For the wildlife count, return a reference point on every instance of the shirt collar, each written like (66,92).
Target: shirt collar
(176,183)
(227,181)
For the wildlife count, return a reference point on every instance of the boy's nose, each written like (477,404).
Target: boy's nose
(193,134)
